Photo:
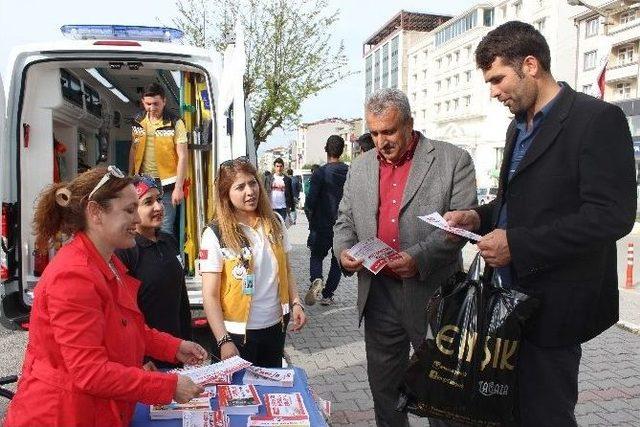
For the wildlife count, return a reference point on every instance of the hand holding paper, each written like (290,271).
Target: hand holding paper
(374,253)
(437,220)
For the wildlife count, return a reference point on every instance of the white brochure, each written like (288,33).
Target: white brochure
(437,220)
(374,252)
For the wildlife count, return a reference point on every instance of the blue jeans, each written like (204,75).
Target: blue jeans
(320,242)
(169,220)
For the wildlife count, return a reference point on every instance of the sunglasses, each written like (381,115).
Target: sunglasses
(231,162)
(112,171)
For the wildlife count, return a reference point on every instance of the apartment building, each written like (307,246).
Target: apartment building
(265,160)
(308,148)
(449,98)
(385,52)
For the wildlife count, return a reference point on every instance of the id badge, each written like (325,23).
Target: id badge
(247,284)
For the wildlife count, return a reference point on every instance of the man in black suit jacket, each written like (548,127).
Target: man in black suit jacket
(567,193)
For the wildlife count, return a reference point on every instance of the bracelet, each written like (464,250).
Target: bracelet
(298,303)
(225,339)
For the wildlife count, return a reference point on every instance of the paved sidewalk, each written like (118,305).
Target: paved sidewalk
(331,350)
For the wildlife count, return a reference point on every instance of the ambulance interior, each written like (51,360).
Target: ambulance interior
(78,114)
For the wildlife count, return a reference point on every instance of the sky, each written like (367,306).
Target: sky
(359,19)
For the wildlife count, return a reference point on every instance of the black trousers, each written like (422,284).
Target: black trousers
(262,347)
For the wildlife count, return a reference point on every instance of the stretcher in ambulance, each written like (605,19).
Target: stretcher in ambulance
(67,106)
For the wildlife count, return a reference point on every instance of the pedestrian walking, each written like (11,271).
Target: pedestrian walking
(386,189)
(567,192)
(325,193)
(87,338)
(279,191)
(248,289)
(296,188)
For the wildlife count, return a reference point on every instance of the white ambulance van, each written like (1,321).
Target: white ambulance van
(67,106)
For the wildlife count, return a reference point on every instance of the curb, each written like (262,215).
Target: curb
(629,327)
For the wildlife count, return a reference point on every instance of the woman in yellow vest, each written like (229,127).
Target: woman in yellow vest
(248,289)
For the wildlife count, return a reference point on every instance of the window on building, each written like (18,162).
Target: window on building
(424,93)
(424,73)
(394,62)
(592,26)
(439,63)
(415,78)
(376,70)
(468,51)
(623,90)
(414,96)
(540,3)
(590,60)
(467,100)
(424,114)
(448,82)
(455,104)
(368,75)
(447,105)
(457,55)
(628,16)
(426,54)
(625,55)
(587,88)
(437,107)
(438,86)
(517,8)
(449,59)
(457,27)
(488,17)
(540,24)
(385,65)
(468,75)
(456,79)
(504,12)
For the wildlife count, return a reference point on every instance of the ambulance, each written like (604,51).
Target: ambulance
(68,105)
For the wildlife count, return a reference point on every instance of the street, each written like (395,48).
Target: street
(331,349)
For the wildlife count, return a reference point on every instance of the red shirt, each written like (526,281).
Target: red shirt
(393,178)
(87,340)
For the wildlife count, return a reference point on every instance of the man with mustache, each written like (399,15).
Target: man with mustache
(386,189)
(567,193)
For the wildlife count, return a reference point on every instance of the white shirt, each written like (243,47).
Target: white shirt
(265,305)
(278,201)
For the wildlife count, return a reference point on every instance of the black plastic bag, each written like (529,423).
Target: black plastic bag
(465,370)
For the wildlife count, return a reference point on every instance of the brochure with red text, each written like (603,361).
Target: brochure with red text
(374,253)
(173,410)
(238,399)
(268,376)
(204,419)
(268,421)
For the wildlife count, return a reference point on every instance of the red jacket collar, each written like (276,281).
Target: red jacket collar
(97,260)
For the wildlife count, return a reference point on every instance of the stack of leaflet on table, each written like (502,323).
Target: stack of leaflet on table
(204,419)
(268,376)
(238,399)
(174,409)
(283,409)
(216,373)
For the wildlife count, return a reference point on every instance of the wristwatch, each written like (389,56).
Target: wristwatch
(225,339)
(298,303)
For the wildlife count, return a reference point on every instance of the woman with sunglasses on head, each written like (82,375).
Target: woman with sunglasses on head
(249,291)
(87,338)
(155,260)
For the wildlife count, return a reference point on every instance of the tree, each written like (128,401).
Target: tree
(290,54)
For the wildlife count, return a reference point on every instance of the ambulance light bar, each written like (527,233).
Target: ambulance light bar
(121,32)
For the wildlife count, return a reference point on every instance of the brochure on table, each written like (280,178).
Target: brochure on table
(141,416)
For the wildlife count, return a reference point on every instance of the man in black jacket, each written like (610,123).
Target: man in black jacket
(567,193)
(325,193)
(278,187)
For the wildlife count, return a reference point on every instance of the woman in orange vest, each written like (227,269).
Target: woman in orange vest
(87,338)
(249,292)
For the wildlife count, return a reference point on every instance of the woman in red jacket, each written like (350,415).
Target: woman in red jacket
(87,338)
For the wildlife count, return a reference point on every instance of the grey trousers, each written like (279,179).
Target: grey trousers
(387,344)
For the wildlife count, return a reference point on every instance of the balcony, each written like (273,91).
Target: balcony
(622,71)
(624,33)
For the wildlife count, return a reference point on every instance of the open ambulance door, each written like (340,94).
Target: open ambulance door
(13,311)
(235,131)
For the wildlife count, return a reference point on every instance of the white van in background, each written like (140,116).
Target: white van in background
(67,106)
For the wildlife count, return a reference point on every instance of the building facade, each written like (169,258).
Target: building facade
(308,148)
(266,159)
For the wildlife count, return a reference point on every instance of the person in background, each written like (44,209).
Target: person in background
(249,291)
(296,188)
(87,337)
(366,142)
(159,149)
(278,186)
(325,193)
(306,186)
(385,191)
(155,260)
(567,193)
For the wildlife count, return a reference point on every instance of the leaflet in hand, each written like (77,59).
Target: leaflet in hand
(268,376)
(174,409)
(437,220)
(374,252)
(216,373)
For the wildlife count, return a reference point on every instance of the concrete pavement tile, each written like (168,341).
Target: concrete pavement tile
(591,420)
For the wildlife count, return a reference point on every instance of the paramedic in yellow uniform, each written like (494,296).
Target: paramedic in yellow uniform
(159,149)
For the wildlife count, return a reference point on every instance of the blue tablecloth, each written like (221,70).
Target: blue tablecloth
(141,416)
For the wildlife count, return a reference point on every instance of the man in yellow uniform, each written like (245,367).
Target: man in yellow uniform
(159,149)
